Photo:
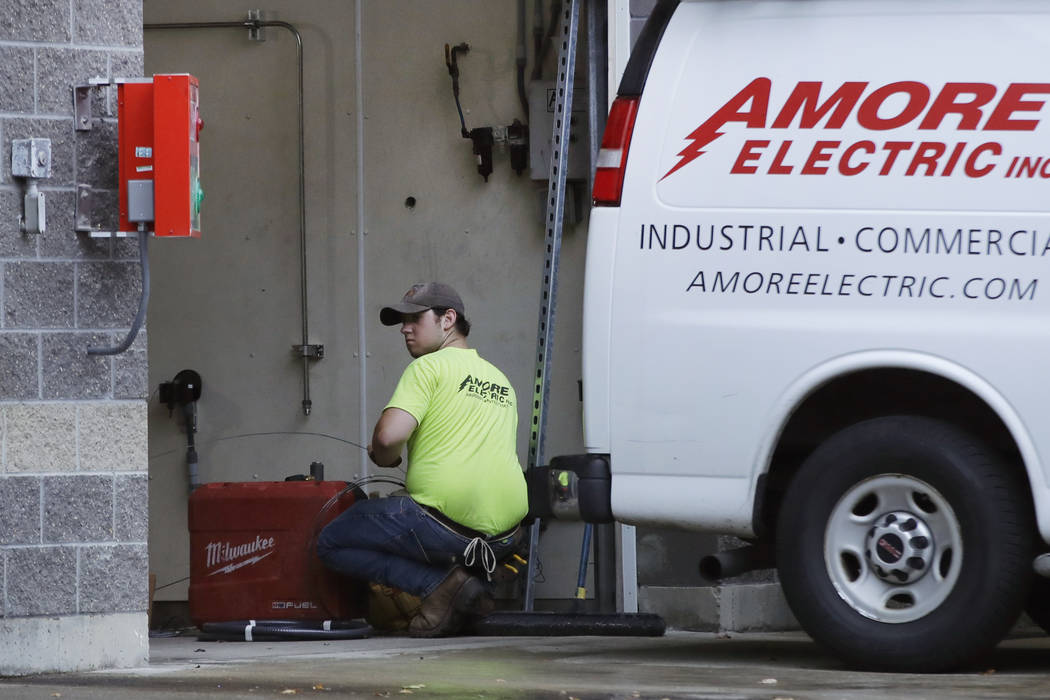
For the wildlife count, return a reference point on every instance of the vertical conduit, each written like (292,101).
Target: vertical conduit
(361,344)
(256,24)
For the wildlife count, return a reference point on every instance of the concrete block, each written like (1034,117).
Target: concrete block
(122,64)
(669,557)
(132,507)
(125,64)
(108,22)
(107,294)
(73,643)
(59,70)
(16,79)
(78,508)
(19,372)
(35,20)
(38,295)
(41,581)
(69,372)
(109,220)
(112,436)
(114,579)
(131,371)
(40,437)
(755,607)
(19,510)
(681,607)
(97,157)
(61,133)
(14,243)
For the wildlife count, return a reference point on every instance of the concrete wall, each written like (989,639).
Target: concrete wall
(227,305)
(73,483)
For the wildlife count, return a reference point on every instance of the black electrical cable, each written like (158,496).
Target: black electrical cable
(453,70)
(265,434)
(541,55)
(167,585)
(284,630)
(522,59)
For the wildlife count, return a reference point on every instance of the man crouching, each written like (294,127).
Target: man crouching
(457,413)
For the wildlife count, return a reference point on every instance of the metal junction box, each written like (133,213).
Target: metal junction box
(541,125)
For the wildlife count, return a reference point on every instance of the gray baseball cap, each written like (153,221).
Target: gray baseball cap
(420,297)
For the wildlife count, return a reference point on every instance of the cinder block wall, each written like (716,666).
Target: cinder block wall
(73,458)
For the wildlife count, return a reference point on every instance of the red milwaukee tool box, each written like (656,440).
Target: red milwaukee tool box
(252,558)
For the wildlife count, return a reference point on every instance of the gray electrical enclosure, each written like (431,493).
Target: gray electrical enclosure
(541,125)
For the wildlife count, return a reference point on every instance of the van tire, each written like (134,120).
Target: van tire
(924,530)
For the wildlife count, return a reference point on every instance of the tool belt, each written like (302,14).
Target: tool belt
(465,531)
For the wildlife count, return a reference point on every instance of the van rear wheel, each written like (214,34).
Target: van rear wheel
(904,545)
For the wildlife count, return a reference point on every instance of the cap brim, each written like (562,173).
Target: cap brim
(391,315)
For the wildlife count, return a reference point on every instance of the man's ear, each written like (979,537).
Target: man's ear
(450,316)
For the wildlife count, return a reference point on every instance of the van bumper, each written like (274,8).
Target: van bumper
(573,487)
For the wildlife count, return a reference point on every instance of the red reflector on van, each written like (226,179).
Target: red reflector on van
(612,157)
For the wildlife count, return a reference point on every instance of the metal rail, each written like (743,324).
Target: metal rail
(554,221)
(254,25)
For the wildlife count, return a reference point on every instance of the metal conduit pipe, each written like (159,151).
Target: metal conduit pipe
(255,24)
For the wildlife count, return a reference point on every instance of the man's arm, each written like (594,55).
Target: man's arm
(392,431)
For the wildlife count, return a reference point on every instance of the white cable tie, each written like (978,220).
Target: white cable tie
(248,630)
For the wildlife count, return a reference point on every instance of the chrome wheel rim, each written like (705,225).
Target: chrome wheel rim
(893,548)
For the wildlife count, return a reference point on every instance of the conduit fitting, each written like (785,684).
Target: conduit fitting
(31,161)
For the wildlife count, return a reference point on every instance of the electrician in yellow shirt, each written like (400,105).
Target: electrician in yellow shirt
(457,415)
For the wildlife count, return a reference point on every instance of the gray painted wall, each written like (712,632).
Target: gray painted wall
(73,483)
(227,305)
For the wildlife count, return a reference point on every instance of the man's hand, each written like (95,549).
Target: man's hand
(392,431)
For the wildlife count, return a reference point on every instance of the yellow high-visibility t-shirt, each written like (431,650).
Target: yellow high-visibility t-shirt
(462,458)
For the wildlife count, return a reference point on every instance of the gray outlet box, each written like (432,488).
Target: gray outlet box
(541,127)
(31,158)
(140,200)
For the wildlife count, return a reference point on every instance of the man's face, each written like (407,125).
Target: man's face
(423,332)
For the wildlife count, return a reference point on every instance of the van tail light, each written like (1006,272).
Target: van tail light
(612,156)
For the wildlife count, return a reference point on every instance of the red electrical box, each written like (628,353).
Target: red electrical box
(159,155)
(252,558)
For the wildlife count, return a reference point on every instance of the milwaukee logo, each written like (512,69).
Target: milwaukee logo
(979,112)
(223,552)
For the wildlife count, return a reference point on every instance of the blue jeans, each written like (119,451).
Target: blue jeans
(395,542)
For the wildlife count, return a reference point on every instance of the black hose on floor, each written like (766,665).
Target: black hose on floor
(550,624)
(283,630)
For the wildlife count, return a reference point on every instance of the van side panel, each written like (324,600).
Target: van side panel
(809,181)
(597,327)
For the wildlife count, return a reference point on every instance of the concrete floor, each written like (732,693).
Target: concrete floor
(678,665)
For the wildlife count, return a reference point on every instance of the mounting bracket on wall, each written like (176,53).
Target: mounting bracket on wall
(82,99)
(312,352)
(89,201)
(256,32)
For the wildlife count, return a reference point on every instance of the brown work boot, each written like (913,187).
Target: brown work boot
(442,611)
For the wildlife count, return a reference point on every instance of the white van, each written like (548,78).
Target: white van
(816,315)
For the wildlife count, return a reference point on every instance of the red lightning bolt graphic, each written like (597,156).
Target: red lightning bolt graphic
(755,94)
(700,137)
